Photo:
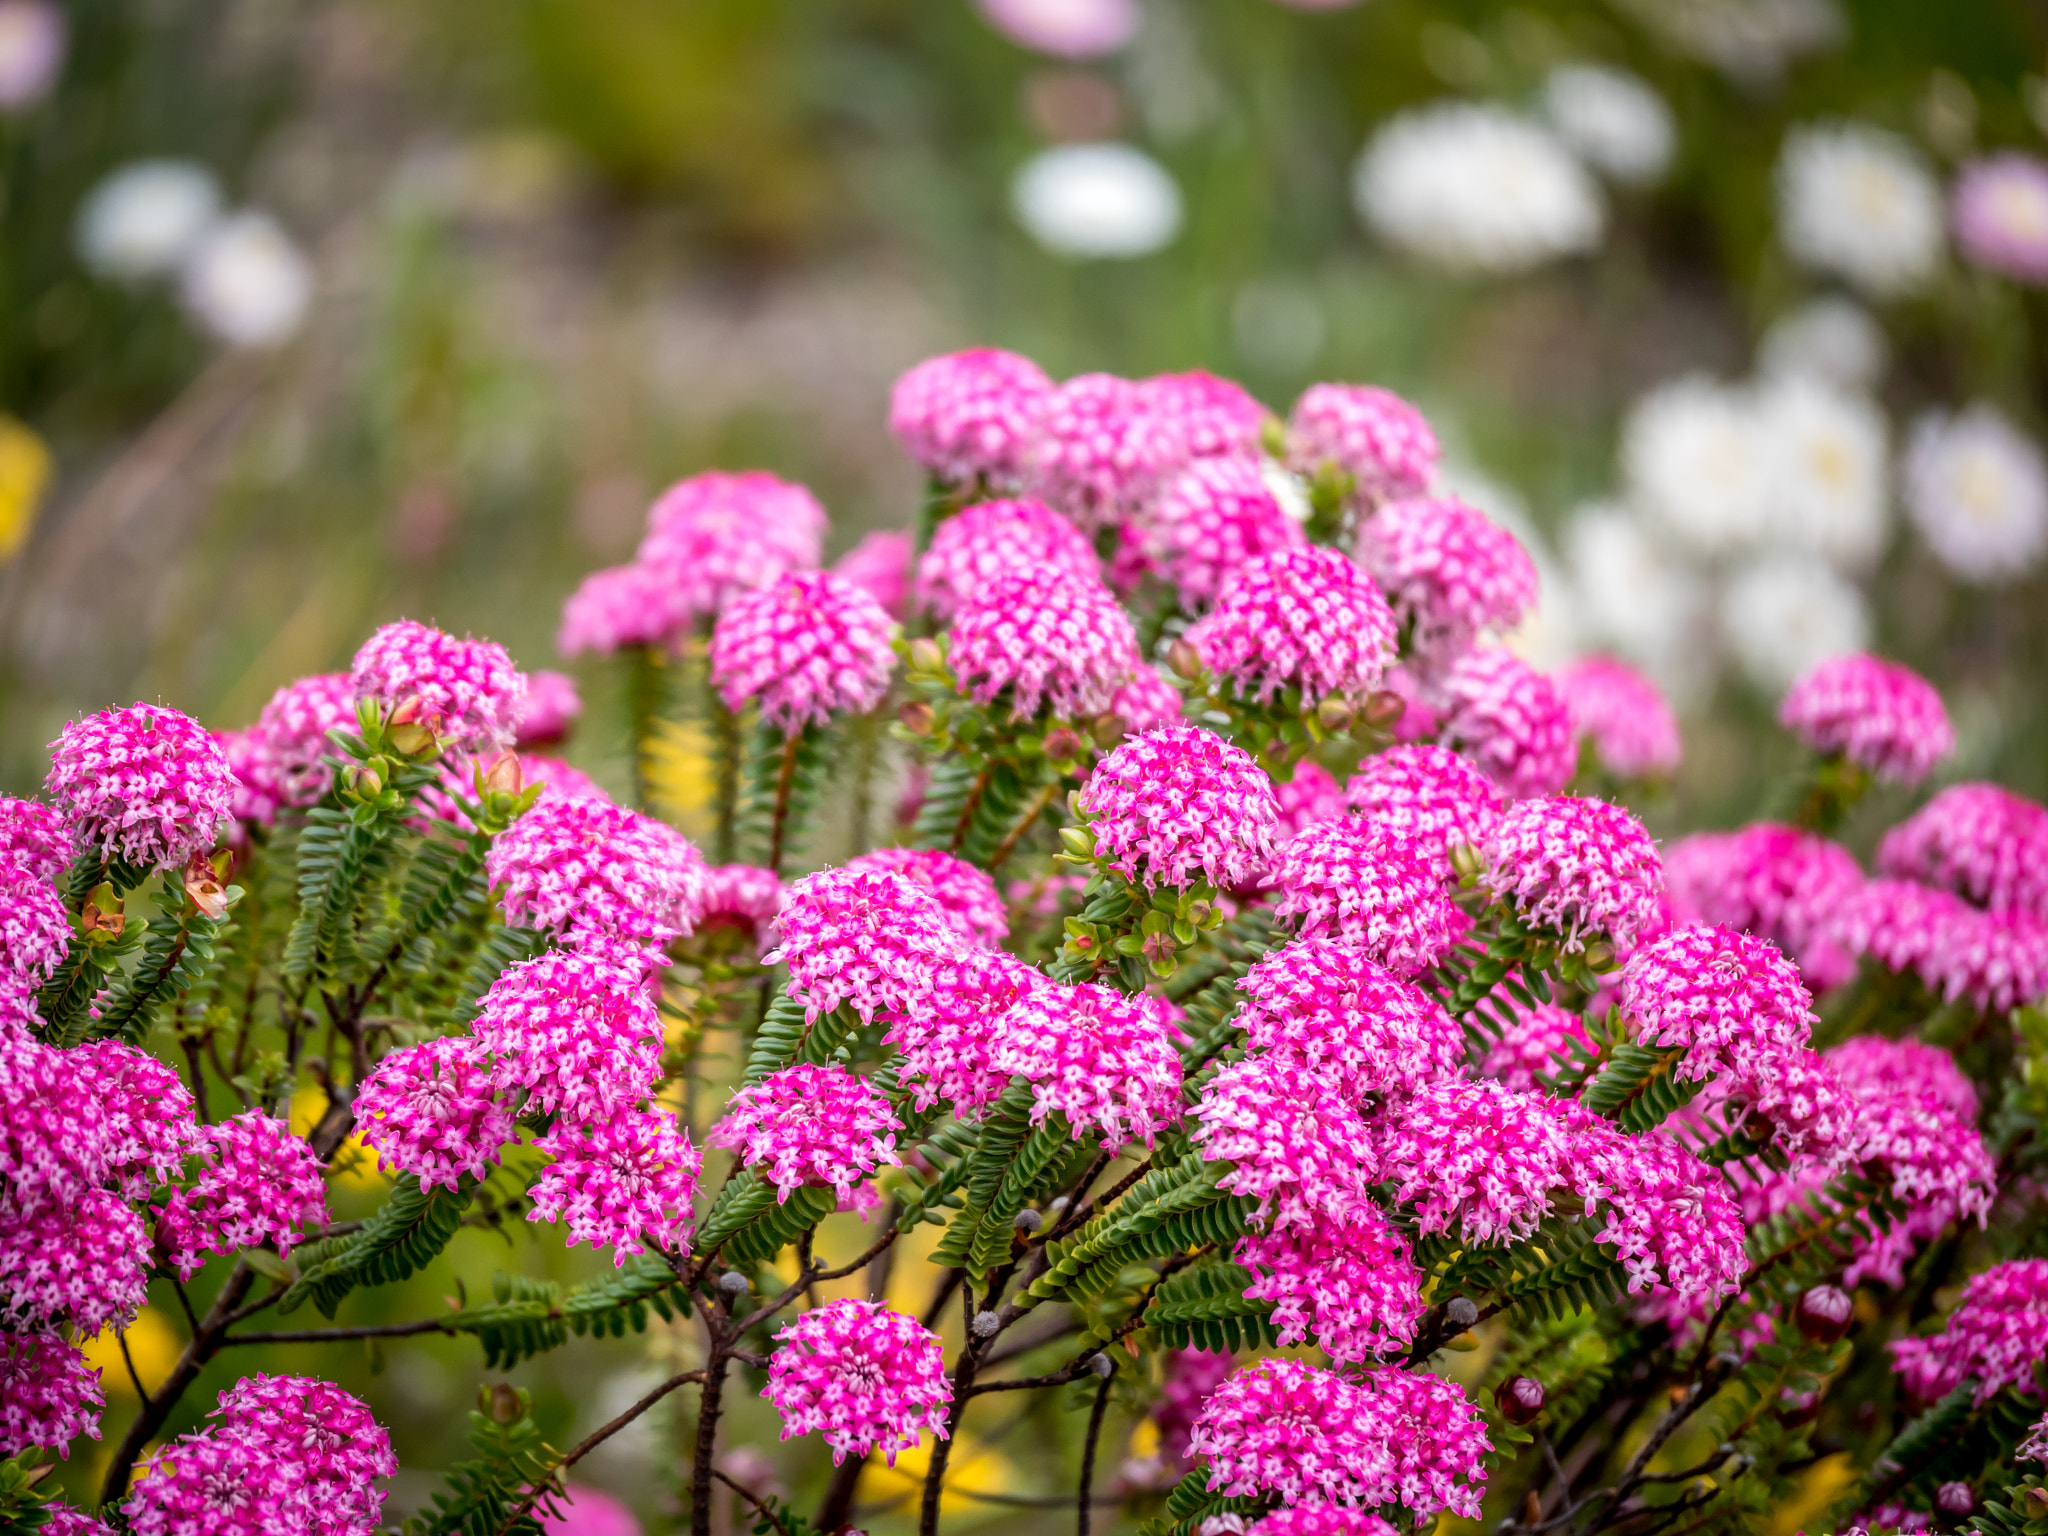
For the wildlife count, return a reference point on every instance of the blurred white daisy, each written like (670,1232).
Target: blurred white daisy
(1475,188)
(1750,40)
(1632,597)
(1977,489)
(1613,119)
(1067,29)
(1696,460)
(144,219)
(1097,200)
(1832,339)
(1860,203)
(247,284)
(32,37)
(1828,471)
(1783,614)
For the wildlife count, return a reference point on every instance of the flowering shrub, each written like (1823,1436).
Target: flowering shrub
(1317,997)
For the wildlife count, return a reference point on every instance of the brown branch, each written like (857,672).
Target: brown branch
(332,1335)
(591,1442)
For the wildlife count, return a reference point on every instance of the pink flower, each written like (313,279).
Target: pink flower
(2035,1446)
(1450,572)
(558,779)
(1476,1158)
(85,1262)
(1103,1060)
(1996,1336)
(1873,1065)
(1431,794)
(1206,417)
(1997,959)
(34,838)
(618,1180)
(1876,713)
(1511,720)
(259,787)
(1900,924)
(1371,434)
(1537,1043)
(1054,641)
(258,1185)
(992,539)
(143,784)
(292,729)
(1575,867)
(1786,885)
(1212,517)
(1417,718)
(947,1043)
(585,869)
(1295,1143)
(334,1448)
(57,1139)
(467,690)
(1370,887)
(806,647)
(880,566)
(1624,715)
(741,896)
(1307,797)
(810,1125)
(1715,994)
(1307,619)
(1315,1517)
(221,1485)
(148,1114)
(35,928)
(1978,840)
(48,1394)
(1147,701)
(1999,210)
(716,535)
(552,708)
(1190,1376)
(868,938)
(1181,807)
(968,416)
(588,1512)
(621,606)
(863,1376)
(1098,452)
(577,1030)
(1350,1284)
(1669,1216)
(432,1110)
(966,895)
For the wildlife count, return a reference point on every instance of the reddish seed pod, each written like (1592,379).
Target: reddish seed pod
(1955,1499)
(1520,1399)
(1824,1313)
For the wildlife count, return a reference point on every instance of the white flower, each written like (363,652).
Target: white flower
(1067,29)
(1696,460)
(1633,598)
(32,37)
(144,219)
(1827,483)
(1476,189)
(1860,203)
(1750,40)
(1833,339)
(1287,489)
(1097,200)
(247,284)
(1782,615)
(1618,125)
(1977,489)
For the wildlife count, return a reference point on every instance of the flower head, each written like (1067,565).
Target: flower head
(948,1043)
(1307,619)
(1103,1060)
(432,1110)
(1212,517)
(1786,885)
(552,707)
(293,727)
(1181,806)
(1203,415)
(468,690)
(1626,717)
(1976,487)
(1308,797)
(85,1263)
(1370,434)
(880,566)
(587,869)
(1449,570)
(34,838)
(1717,995)
(1999,210)
(1428,793)
(864,1376)
(1147,701)
(1370,887)
(869,938)
(259,787)
(1537,1041)
(575,1028)
(1352,1023)
(620,606)
(49,1396)
(991,539)
(259,1184)
(806,647)
(1476,1158)
(1873,1065)
(1996,1336)
(716,535)
(1669,1218)
(147,1114)
(1098,450)
(1576,866)
(742,896)
(966,895)
(1316,1517)
(1295,1143)
(810,1125)
(335,1448)
(1979,840)
(968,415)
(35,927)
(1511,720)
(619,1181)
(1997,959)
(1350,1284)
(56,1137)
(219,1484)
(1056,641)
(143,784)
(1879,715)
(1859,203)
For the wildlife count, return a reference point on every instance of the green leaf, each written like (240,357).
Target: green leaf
(405,1235)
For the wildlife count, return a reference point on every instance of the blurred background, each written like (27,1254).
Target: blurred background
(318,314)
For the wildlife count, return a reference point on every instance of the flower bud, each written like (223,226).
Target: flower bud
(1467,861)
(1063,744)
(102,912)
(363,781)
(925,656)
(1383,711)
(1461,1312)
(503,777)
(204,886)
(1027,1221)
(1335,714)
(733,1283)
(1077,841)
(985,1324)
(1185,660)
(2035,1502)
(501,1403)
(1108,728)
(1955,1499)
(1824,1313)
(1101,1364)
(1520,1399)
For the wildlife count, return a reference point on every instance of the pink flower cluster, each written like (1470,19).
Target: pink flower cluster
(1995,1337)
(259,1185)
(1055,641)
(576,1029)
(1308,796)
(1579,868)
(741,895)
(1316,1517)
(143,784)
(1190,1376)
(586,870)
(1369,887)
(1996,959)
(966,895)
(1536,1043)
(1778,882)
(1306,619)
(289,738)
(552,708)
(947,1043)
(1098,453)
(810,1125)
(1102,1060)
(1212,517)
(468,691)
(968,416)
(880,566)
(1877,714)
(1429,793)
(48,1394)
(991,539)
(862,1376)
(867,938)
(1475,1158)
(33,838)
(1203,416)
(1327,1006)
(434,1110)
(619,1181)
(1670,1219)
(1979,840)
(1511,720)
(1180,807)
(806,647)
(1350,1283)
(1449,570)
(1370,434)
(1624,715)
(35,927)
(1295,1144)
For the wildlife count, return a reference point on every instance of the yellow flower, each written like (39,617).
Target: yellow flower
(25,468)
